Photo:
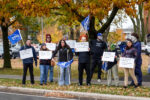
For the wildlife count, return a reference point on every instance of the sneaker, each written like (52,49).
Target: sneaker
(99,80)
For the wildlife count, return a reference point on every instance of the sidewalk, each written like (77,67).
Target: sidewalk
(37,78)
(76,95)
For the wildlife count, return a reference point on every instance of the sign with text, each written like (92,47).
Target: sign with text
(126,62)
(108,56)
(82,46)
(27,53)
(45,54)
(51,46)
(71,43)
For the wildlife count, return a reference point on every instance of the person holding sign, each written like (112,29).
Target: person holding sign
(64,55)
(130,52)
(28,62)
(112,67)
(97,48)
(44,66)
(84,63)
(51,67)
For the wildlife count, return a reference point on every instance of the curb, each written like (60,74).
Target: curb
(94,96)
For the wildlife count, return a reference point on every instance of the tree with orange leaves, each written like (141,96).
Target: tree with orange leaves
(70,11)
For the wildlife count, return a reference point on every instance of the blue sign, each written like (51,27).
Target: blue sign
(15,37)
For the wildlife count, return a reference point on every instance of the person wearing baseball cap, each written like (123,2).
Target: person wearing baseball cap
(97,48)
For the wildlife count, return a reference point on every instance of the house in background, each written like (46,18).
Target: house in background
(124,33)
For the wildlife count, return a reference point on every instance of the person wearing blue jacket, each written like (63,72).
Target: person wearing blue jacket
(28,63)
(138,62)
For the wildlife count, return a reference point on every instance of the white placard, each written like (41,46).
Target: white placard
(126,62)
(81,46)
(26,53)
(51,46)
(71,43)
(45,54)
(108,56)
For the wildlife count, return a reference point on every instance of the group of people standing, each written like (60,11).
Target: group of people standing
(95,51)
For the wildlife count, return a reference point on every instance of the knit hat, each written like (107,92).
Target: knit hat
(112,47)
(43,44)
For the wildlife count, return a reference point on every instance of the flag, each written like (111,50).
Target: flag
(65,64)
(85,24)
(104,66)
(15,37)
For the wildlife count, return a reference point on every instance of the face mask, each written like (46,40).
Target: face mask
(133,39)
(100,37)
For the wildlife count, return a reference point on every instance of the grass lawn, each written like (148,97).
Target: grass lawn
(17,68)
(103,89)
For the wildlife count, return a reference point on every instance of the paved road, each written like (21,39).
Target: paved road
(14,96)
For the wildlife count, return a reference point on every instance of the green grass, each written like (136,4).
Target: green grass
(102,89)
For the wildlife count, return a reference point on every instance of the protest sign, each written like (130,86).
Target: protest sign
(45,54)
(26,53)
(108,56)
(126,62)
(82,46)
(71,43)
(51,46)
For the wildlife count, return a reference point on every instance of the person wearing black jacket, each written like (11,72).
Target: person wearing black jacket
(28,63)
(64,55)
(112,67)
(97,48)
(83,63)
(44,66)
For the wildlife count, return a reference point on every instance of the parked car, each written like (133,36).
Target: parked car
(15,50)
(147,49)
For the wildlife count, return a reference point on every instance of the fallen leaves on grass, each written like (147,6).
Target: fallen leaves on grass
(102,89)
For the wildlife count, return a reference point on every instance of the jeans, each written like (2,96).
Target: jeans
(25,69)
(64,76)
(51,73)
(43,73)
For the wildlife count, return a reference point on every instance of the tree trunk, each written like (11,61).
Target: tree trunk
(6,56)
(105,35)
(77,33)
(71,33)
(142,22)
(92,32)
(110,19)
